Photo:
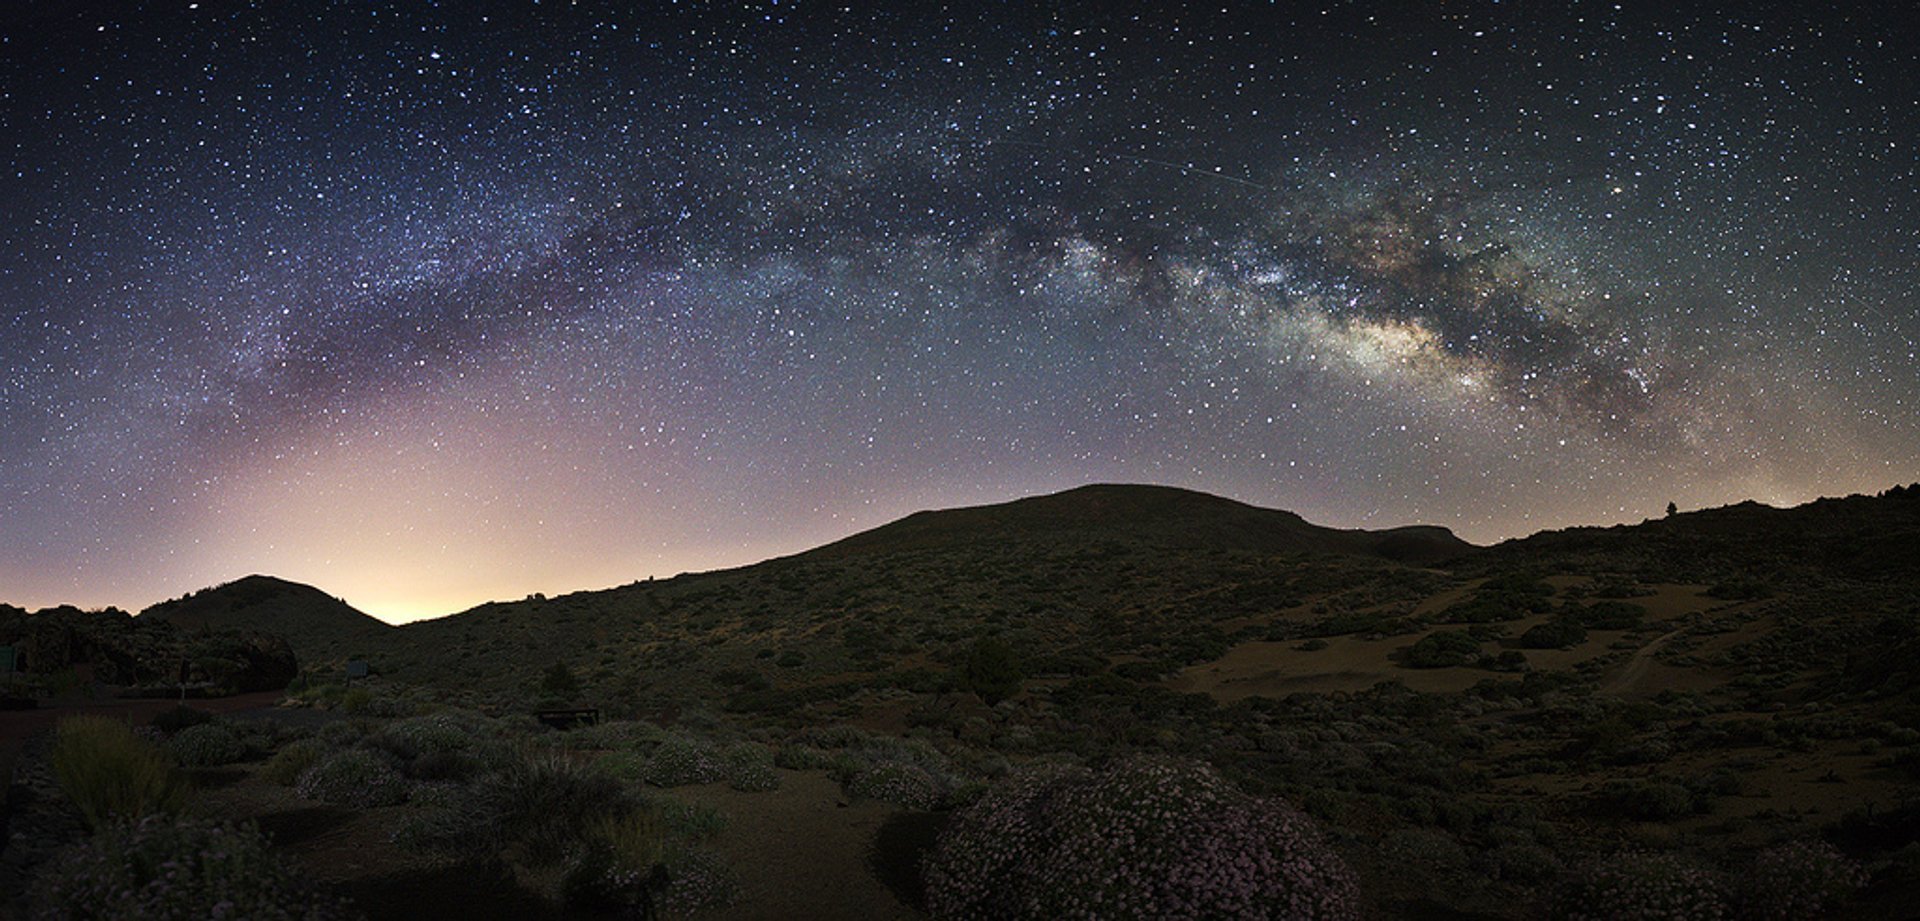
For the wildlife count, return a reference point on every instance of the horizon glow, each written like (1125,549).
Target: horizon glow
(433,307)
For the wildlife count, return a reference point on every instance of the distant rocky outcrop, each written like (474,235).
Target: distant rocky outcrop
(121,650)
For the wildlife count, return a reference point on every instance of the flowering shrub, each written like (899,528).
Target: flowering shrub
(1144,838)
(355,777)
(206,745)
(749,768)
(177,868)
(287,764)
(410,738)
(908,785)
(620,865)
(697,880)
(1643,887)
(108,772)
(1799,879)
(680,761)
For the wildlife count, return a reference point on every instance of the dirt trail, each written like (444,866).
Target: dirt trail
(1636,667)
(803,850)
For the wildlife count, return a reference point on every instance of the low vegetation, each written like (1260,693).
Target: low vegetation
(1569,726)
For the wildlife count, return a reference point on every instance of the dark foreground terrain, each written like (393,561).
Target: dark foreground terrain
(1712,714)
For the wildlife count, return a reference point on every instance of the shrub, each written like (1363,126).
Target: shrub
(355,777)
(896,782)
(1144,838)
(992,671)
(749,768)
(1642,887)
(287,764)
(178,718)
(206,745)
(107,772)
(178,868)
(1554,634)
(1648,801)
(1799,879)
(1612,615)
(620,867)
(804,758)
(689,820)
(680,761)
(356,700)
(697,880)
(342,733)
(536,806)
(407,739)
(1442,649)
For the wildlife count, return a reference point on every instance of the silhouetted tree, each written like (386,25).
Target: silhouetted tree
(558,681)
(992,671)
(1672,510)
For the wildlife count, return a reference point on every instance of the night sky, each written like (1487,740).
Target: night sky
(452,304)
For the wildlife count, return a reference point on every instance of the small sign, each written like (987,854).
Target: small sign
(6,658)
(356,668)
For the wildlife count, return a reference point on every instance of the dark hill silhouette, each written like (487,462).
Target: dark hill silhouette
(1868,538)
(1159,515)
(318,625)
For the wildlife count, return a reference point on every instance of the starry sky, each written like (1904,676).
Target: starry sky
(468,300)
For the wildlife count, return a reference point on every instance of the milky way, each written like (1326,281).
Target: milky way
(435,306)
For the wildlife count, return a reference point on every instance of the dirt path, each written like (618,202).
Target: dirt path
(803,851)
(1636,667)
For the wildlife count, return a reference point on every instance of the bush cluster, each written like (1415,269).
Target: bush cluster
(292,760)
(1799,879)
(534,807)
(1559,633)
(356,777)
(749,768)
(207,745)
(1442,649)
(1642,887)
(1146,837)
(162,867)
(896,782)
(697,880)
(680,761)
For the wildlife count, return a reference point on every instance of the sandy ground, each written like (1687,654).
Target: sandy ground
(803,851)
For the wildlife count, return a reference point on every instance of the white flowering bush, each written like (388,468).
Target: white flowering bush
(697,880)
(207,745)
(896,782)
(415,736)
(749,768)
(161,867)
(355,777)
(1643,887)
(680,761)
(1146,837)
(1797,880)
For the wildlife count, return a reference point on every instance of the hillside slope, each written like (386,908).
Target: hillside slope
(1160,515)
(319,626)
